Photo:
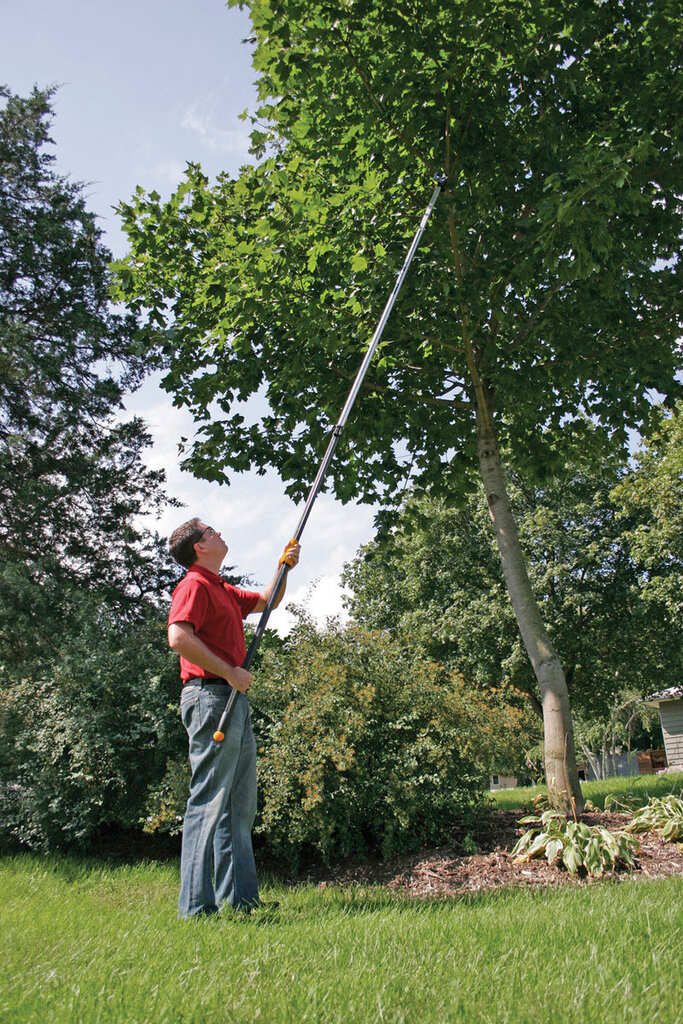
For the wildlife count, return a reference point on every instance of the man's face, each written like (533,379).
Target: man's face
(211,543)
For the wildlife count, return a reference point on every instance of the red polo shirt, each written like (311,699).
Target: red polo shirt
(215,609)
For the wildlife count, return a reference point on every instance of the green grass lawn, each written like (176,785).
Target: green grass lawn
(640,787)
(87,942)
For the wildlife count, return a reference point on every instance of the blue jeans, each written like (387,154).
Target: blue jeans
(217,861)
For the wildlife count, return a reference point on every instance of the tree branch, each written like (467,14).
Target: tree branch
(380,107)
(443,344)
(448,130)
(440,403)
(482,403)
(466,127)
(526,330)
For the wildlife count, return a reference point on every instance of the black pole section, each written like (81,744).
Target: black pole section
(440,180)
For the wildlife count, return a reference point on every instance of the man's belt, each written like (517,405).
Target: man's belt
(205,679)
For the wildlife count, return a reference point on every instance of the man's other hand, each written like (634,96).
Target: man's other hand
(240,678)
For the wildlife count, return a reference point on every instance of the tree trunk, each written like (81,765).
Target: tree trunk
(561,772)
(593,760)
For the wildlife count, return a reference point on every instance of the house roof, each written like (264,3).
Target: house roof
(672,693)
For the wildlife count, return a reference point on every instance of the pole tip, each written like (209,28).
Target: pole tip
(219,736)
(440,178)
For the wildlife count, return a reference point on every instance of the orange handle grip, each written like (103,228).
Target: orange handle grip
(288,546)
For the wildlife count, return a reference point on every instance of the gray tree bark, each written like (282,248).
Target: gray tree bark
(562,776)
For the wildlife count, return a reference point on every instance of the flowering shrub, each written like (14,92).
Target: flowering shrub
(363,751)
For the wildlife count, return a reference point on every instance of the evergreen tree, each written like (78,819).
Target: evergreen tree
(72,479)
(86,681)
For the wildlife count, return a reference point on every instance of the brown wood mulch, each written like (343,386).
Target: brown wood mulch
(450,872)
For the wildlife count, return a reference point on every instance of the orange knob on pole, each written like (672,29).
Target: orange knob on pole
(219,734)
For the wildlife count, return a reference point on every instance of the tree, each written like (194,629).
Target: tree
(436,585)
(544,295)
(627,724)
(86,680)
(650,500)
(72,479)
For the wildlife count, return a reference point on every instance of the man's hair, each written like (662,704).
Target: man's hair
(182,542)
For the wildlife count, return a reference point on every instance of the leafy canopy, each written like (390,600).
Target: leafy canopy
(547,274)
(651,503)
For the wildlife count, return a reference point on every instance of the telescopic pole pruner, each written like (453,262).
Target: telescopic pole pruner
(440,180)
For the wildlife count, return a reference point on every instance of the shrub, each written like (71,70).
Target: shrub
(166,802)
(363,751)
(81,745)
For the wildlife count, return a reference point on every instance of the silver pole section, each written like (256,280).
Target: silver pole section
(440,180)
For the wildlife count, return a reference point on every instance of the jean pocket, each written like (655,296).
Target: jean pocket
(189,706)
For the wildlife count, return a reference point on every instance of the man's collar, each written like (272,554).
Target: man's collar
(208,574)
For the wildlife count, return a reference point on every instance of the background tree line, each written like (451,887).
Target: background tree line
(533,331)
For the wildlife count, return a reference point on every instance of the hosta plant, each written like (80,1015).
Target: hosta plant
(574,845)
(622,802)
(663,814)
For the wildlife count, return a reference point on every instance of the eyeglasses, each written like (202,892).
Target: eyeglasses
(207,529)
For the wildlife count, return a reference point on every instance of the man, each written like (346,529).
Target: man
(205,629)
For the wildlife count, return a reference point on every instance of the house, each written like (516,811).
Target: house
(670,704)
(502,782)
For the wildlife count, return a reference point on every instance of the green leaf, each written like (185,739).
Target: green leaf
(572,859)
(553,848)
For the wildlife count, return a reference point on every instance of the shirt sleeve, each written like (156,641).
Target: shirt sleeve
(190,603)
(246,599)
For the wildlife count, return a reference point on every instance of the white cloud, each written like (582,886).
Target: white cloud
(169,172)
(322,599)
(201,120)
(255,516)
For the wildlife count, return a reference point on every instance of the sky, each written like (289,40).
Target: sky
(145,86)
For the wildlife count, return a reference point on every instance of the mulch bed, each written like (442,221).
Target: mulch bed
(448,872)
(443,872)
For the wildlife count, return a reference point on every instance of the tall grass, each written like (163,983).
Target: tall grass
(638,787)
(85,942)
